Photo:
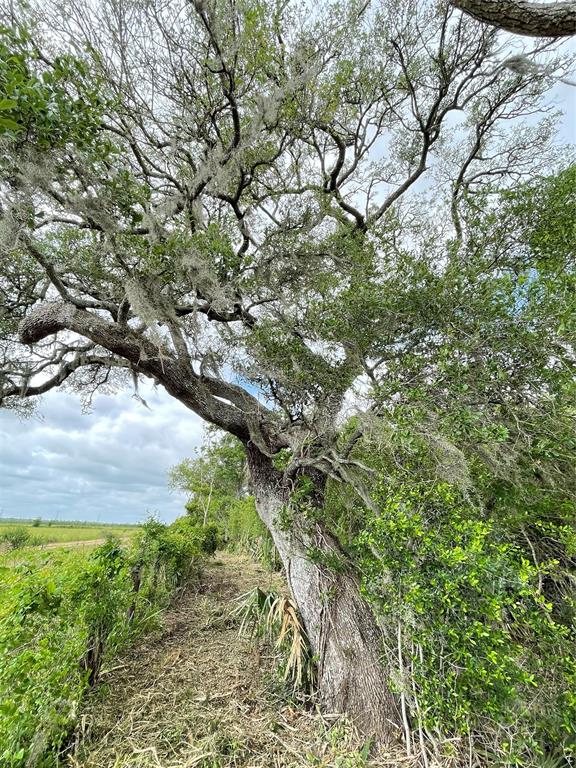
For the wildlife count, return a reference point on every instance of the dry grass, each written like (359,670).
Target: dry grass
(198,694)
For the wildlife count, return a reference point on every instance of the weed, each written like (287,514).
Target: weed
(16,538)
(276,618)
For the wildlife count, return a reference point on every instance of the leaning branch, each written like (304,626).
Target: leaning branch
(522,17)
(144,357)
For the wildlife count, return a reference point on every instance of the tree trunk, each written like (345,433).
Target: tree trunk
(343,633)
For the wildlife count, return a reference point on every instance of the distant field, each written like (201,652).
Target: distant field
(62,533)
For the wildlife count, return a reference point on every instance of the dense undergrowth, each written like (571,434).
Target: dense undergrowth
(473,584)
(64,615)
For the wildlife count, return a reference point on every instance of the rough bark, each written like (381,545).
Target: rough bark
(523,17)
(341,628)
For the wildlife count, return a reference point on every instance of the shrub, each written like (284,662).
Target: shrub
(54,617)
(481,649)
(62,616)
(211,538)
(16,538)
(207,538)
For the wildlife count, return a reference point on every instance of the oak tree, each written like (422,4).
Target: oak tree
(266,210)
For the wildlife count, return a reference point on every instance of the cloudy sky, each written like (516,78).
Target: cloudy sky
(109,465)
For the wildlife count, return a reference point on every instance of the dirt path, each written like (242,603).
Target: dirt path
(74,544)
(199,695)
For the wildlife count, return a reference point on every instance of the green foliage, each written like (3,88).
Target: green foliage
(541,216)
(63,615)
(210,538)
(216,481)
(45,104)
(476,583)
(52,608)
(16,538)
(466,547)
(243,520)
(206,538)
(213,479)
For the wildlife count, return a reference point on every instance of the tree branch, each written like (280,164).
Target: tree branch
(64,372)
(145,357)
(522,17)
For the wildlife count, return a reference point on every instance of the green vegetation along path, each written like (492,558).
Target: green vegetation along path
(199,694)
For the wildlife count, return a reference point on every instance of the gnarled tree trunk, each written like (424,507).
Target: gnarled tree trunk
(341,628)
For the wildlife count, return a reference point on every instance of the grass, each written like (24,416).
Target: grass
(63,612)
(35,559)
(55,532)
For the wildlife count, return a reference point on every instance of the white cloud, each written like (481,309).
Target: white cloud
(109,465)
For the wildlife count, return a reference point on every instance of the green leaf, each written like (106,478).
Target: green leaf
(10,125)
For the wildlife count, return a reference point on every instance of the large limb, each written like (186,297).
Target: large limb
(143,356)
(522,17)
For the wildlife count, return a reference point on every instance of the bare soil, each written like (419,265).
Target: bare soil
(73,544)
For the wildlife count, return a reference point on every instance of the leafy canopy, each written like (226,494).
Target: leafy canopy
(264,209)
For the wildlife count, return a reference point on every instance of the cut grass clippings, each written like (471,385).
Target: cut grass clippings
(199,694)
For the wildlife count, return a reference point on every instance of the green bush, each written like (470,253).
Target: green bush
(54,612)
(16,538)
(211,538)
(208,538)
(482,649)
(62,616)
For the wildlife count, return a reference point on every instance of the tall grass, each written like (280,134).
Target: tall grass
(65,614)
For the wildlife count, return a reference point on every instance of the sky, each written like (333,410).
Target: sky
(111,465)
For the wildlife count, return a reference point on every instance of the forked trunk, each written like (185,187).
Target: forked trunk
(341,628)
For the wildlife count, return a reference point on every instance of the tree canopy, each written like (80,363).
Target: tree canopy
(217,202)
